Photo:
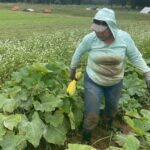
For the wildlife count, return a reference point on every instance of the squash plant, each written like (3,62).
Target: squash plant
(125,142)
(34,105)
(134,94)
(140,125)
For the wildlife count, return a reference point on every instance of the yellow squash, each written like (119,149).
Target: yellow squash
(72,87)
(78,75)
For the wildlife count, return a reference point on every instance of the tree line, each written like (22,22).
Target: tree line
(132,3)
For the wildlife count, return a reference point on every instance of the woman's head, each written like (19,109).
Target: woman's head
(104,22)
(99,25)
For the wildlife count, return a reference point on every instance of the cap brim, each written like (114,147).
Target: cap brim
(98,28)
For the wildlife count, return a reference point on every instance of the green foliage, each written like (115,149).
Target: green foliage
(140,124)
(13,142)
(134,93)
(127,142)
(134,96)
(33,130)
(80,147)
(131,143)
(56,135)
(34,104)
(114,148)
(37,48)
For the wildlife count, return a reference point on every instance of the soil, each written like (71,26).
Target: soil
(102,138)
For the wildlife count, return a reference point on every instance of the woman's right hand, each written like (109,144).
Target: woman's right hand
(72,74)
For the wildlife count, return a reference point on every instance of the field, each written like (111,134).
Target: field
(35,53)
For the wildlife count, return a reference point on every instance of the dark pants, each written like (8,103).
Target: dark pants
(92,101)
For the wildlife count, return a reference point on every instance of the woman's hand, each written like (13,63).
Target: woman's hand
(72,74)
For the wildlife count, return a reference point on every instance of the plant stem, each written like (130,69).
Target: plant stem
(110,138)
(101,140)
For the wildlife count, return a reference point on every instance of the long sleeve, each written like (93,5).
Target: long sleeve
(83,47)
(135,56)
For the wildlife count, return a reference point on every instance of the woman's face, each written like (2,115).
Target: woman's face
(101,29)
(104,35)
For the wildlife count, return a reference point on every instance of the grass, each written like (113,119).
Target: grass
(22,24)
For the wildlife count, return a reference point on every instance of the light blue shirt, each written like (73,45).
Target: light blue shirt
(106,62)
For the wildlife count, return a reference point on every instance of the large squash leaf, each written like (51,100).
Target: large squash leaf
(7,104)
(126,142)
(54,119)
(48,104)
(33,130)
(55,135)
(133,125)
(147,136)
(145,113)
(12,121)
(79,147)
(71,118)
(12,141)
(132,143)
(2,131)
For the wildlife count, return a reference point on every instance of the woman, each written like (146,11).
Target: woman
(107,48)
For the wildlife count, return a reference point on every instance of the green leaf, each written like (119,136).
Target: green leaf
(132,143)
(47,106)
(12,121)
(2,118)
(33,130)
(79,147)
(129,121)
(49,103)
(17,77)
(133,113)
(66,106)
(132,124)
(120,139)
(12,141)
(39,67)
(40,107)
(7,104)
(55,135)
(72,119)
(124,98)
(78,117)
(147,136)
(133,85)
(27,105)
(55,119)
(2,131)
(23,95)
(145,113)
(22,125)
(113,148)
(14,91)
(142,124)
(24,72)
(28,83)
